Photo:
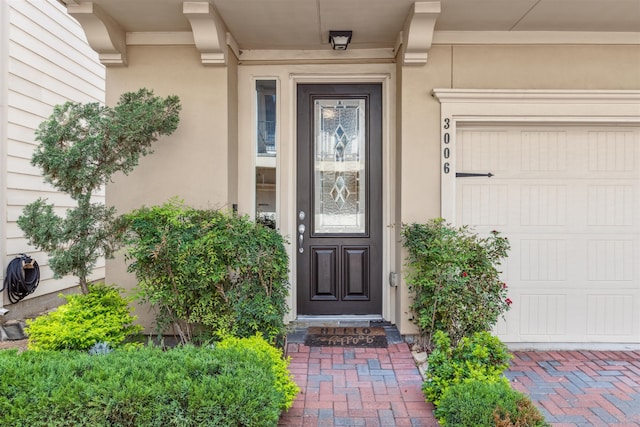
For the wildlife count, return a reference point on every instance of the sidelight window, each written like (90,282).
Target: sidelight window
(266,150)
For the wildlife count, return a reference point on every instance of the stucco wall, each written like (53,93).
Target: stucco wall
(198,162)
(201,163)
(485,67)
(546,67)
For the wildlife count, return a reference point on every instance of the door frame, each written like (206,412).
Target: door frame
(288,77)
(366,243)
(388,179)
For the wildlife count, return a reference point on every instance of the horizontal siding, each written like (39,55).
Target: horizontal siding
(48,62)
(56,34)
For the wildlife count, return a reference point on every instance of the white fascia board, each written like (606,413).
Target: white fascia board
(535,38)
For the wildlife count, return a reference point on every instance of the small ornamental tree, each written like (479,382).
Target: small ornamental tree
(81,147)
(453,275)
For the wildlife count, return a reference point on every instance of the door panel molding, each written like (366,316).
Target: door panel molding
(356,268)
(323,273)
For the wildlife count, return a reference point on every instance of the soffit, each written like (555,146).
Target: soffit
(304,24)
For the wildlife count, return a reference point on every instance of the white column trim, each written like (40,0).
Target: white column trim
(536,96)
(536,37)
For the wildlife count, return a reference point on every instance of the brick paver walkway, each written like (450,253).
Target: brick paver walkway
(382,387)
(356,387)
(581,388)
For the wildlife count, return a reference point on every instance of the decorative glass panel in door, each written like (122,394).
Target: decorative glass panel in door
(339,165)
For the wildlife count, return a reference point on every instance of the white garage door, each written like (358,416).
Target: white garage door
(568,199)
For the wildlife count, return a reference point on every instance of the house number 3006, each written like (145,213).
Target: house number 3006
(446,152)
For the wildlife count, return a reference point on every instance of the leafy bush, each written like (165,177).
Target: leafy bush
(230,385)
(476,403)
(454,279)
(102,315)
(481,357)
(208,272)
(283,381)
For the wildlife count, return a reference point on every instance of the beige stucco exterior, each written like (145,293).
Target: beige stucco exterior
(198,163)
(538,63)
(209,161)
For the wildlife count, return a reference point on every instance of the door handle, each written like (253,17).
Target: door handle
(301,229)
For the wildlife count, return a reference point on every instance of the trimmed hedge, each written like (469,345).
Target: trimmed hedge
(477,403)
(479,357)
(101,316)
(233,384)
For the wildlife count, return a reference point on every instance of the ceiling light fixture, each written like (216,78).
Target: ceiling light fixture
(339,39)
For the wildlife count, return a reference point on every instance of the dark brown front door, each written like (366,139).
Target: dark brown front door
(339,200)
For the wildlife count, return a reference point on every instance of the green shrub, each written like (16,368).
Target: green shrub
(481,357)
(229,385)
(476,403)
(283,381)
(454,279)
(209,273)
(102,315)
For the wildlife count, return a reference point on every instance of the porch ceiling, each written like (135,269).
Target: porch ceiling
(304,24)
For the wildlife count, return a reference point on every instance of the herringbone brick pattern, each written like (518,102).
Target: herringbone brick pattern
(581,388)
(357,387)
(382,387)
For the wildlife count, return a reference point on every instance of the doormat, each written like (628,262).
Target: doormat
(346,337)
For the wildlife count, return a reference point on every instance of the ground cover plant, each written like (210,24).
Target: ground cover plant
(100,316)
(467,385)
(479,357)
(81,147)
(235,383)
(209,272)
(453,276)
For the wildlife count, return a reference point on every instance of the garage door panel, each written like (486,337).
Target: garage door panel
(483,204)
(568,200)
(543,151)
(543,260)
(543,205)
(542,314)
(610,204)
(571,315)
(611,260)
(612,315)
(488,150)
(612,151)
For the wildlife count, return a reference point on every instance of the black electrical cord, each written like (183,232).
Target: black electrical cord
(23,277)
